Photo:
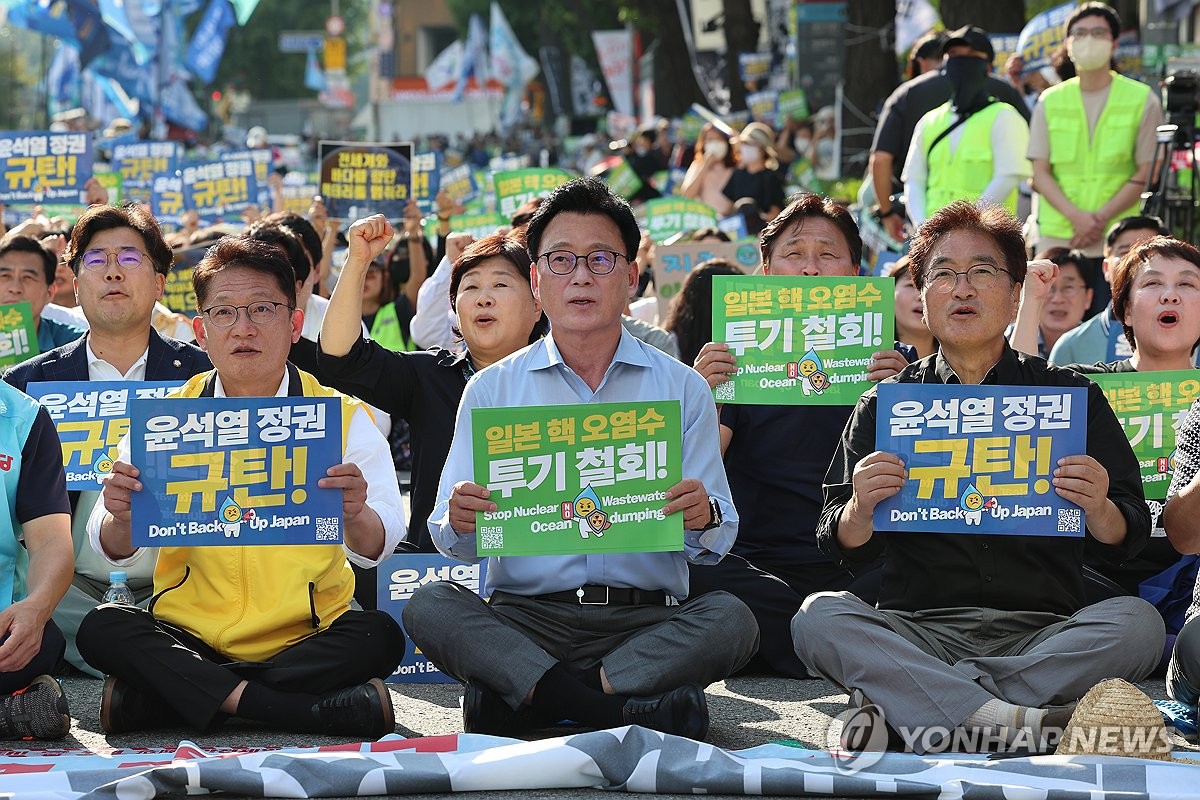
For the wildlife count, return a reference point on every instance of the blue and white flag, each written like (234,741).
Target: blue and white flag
(115,16)
(473,59)
(208,42)
(510,64)
(314,76)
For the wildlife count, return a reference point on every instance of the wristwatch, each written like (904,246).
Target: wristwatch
(880,216)
(715,508)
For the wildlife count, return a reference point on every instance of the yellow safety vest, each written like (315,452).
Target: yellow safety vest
(964,173)
(1090,172)
(249,603)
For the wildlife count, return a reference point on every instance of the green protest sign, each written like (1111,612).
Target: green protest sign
(801,340)
(668,216)
(793,103)
(1150,407)
(18,333)
(578,479)
(478,225)
(623,180)
(518,186)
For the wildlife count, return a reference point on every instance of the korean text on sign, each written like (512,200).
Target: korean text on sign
(578,478)
(801,340)
(980,459)
(366,178)
(239,471)
(18,333)
(517,187)
(44,167)
(219,188)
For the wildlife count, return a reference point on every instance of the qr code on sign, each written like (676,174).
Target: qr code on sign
(492,541)
(724,392)
(1069,520)
(327,529)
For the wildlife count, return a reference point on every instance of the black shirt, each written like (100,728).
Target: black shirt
(423,388)
(916,98)
(1011,573)
(42,484)
(765,186)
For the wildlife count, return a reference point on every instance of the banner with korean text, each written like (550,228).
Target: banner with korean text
(674,262)
(138,163)
(801,340)
(578,479)
(667,216)
(219,190)
(18,333)
(361,178)
(460,183)
(235,471)
(1150,407)
(399,576)
(516,187)
(44,167)
(980,459)
(91,418)
(263,161)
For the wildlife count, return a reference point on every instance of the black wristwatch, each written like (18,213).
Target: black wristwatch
(880,216)
(715,508)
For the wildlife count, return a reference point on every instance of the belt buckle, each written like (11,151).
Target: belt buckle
(580,593)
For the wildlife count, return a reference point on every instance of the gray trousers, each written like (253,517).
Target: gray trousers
(935,668)
(1183,673)
(510,643)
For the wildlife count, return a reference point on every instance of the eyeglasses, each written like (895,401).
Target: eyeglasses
(1070,290)
(260,313)
(600,262)
(1095,33)
(980,276)
(127,258)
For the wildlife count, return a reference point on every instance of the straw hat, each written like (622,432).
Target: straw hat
(1116,719)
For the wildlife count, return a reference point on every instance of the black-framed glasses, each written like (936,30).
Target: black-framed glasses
(260,313)
(600,262)
(1095,33)
(127,258)
(981,276)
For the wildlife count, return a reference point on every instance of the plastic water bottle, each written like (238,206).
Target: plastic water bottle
(118,590)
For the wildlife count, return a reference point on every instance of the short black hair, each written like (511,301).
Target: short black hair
(28,244)
(287,239)
(1138,222)
(1094,9)
(584,196)
(99,218)
(242,251)
(804,205)
(302,228)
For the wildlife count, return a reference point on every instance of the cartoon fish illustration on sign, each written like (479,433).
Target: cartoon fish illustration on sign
(971,501)
(231,518)
(588,514)
(811,371)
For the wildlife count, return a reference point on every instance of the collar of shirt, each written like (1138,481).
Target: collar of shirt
(219,388)
(1004,371)
(101,370)
(628,352)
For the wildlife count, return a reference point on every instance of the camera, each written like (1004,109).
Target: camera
(1181,98)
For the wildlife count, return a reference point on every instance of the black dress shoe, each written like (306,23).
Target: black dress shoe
(484,711)
(124,709)
(682,711)
(364,710)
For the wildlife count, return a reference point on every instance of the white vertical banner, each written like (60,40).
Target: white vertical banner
(614,49)
(914,18)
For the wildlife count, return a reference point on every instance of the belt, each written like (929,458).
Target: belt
(592,595)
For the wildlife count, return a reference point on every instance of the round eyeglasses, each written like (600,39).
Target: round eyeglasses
(980,277)
(127,258)
(260,313)
(600,262)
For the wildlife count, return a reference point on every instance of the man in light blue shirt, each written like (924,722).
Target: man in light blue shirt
(599,639)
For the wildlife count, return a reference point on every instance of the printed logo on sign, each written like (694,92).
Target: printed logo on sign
(974,505)
(811,372)
(102,467)
(586,511)
(232,517)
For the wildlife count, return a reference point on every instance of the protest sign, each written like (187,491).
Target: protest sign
(219,190)
(426,179)
(754,67)
(478,225)
(399,576)
(801,340)
(578,479)
(623,180)
(166,198)
(91,418)
(177,293)
(980,459)
(1042,35)
(299,196)
(235,471)
(263,161)
(358,178)
(674,262)
(41,167)
(138,162)
(764,105)
(793,103)
(1150,407)
(667,216)
(460,184)
(514,188)
(18,333)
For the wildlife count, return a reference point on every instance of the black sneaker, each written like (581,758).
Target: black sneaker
(124,709)
(682,711)
(364,710)
(484,711)
(39,711)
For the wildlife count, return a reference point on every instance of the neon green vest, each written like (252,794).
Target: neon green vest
(964,173)
(386,330)
(1090,172)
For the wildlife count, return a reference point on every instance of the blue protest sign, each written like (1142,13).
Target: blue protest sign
(43,167)
(219,189)
(263,161)
(139,161)
(402,574)
(235,471)
(1042,35)
(91,418)
(460,183)
(426,179)
(980,459)
(166,198)
(359,178)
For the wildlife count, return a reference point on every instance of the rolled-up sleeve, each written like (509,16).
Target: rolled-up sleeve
(702,460)
(459,467)
(858,441)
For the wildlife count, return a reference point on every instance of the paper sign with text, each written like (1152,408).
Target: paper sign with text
(44,167)
(1150,407)
(980,459)
(516,187)
(235,471)
(801,340)
(667,216)
(219,189)
(358,178)
(91,418)
(263,160)
(578,479)
(460,184)
(399,576)
(18,334)
(138,162)
(674,262)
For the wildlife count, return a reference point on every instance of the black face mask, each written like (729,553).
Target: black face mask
(969,76)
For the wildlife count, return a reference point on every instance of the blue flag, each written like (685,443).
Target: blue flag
(473,59)
(208,43)
(113,12)
(181,108)
(314,76)
(62,80)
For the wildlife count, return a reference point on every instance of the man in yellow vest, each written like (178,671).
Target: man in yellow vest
(1091,140)
(971,147)
(261,632)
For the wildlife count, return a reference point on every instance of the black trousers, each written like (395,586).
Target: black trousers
(193,679)
(46,661)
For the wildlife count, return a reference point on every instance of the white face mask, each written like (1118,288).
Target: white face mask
(716,147)
(751,153)
(801,144)
(1089,54)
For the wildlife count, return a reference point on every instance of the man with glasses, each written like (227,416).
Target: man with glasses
(600,638)
(987,633)
(264,633)
(27,271)
(1091,139)
(120,261)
